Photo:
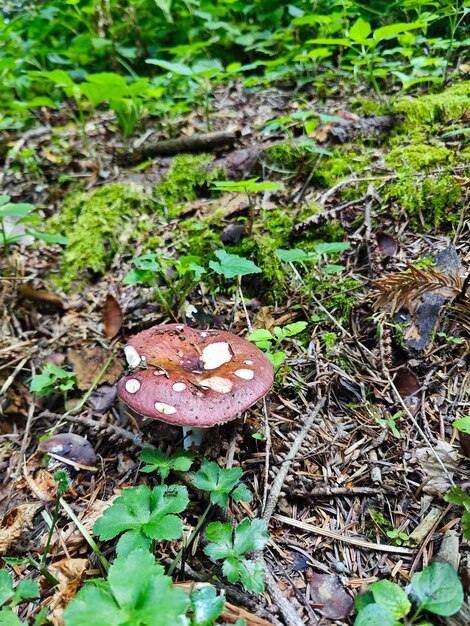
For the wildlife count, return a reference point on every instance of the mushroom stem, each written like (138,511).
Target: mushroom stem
(193,434)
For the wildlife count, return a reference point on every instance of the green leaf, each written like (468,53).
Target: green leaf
(462,424)
(438,589)
(138,592)
(145,514)
(324,41)
(8,618)
(392,30)
(250,535)
(360,30)
(180,461)
(15,210)
(459,497)
(292,256)
(252,575)
(333,247)
(220,483)
(48,237)
(6,586)
(290,330)
(175,68)
(391,597)
(25,590)
(233,265)
(261,334)
(207,606)
(375,615)
(135,277)
(363,600)
(103,86)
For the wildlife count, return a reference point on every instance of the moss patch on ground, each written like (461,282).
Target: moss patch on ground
(431,108)
(98,225)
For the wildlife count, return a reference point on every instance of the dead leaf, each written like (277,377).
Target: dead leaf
(264,319)
(328,592)
(15,524)
(88,363)
(406,382)
(103,398)
(69,573)
(438,481)
(40,295)
(112,316)
(388,245)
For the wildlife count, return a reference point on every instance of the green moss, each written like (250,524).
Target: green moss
(279,224)
(188,175)
(432,108)
(419,156)
(363,106)
(341,164)
(98,225)
(429,202)
(283,158)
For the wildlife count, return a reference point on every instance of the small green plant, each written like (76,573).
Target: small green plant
(398,536)
(20,214)
(270,341)
(459,497)
(232,265)
(142,515)
(437,589)
(153,270)
(450,339)
(391,423)
(53,379)
(63,482)
(231,545)
(156,461)
(10,598)
(250,187)
(221,483)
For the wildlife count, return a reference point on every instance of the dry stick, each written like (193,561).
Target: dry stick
(27,430)
(9,381)
(285,467)
(324,532)
(288,611)
(428,539)
(195,143)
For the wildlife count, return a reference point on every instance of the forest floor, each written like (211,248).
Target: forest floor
(352,453)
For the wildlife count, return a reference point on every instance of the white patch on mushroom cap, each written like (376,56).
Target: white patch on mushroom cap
(217,383)
(132,385)
(216,354)
(245,374)
(166,409)
(159,372)
(204,334)
(248,362)
(179,327)
(132,356)
(179,387)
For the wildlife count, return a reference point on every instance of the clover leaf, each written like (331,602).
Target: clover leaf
(142,515)
(137,592)
(232,544)
(221,483)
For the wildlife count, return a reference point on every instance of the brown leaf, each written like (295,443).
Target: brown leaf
(69,573)
(388,245)
(112,316)
(14,525)
(328,592)
(40,295)
(406,382)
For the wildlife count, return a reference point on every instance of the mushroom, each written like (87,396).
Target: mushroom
(193,378)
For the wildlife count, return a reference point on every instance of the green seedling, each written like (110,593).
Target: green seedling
(10,598)
(232,265)
(156,461)
(142,515)
(20,214)
(270,341)
(398,536)
(153,270)
(391,423)
(53,379)
(250,187)
(231,545)
(450,339)
(461,498)
(437,589)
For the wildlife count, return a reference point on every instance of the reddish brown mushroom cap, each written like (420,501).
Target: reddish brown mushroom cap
(190,377)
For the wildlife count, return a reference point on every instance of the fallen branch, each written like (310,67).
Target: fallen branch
(205,142)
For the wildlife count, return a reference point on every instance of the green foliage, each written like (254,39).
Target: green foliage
(98,225)
(436,589)
(231,265)
(53,379)
(206,605)
(25,590)
(265,340)
(137,592)
(179,461)
(461,498)
(221,483)
(232,545)
(189,176)
(143,515)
